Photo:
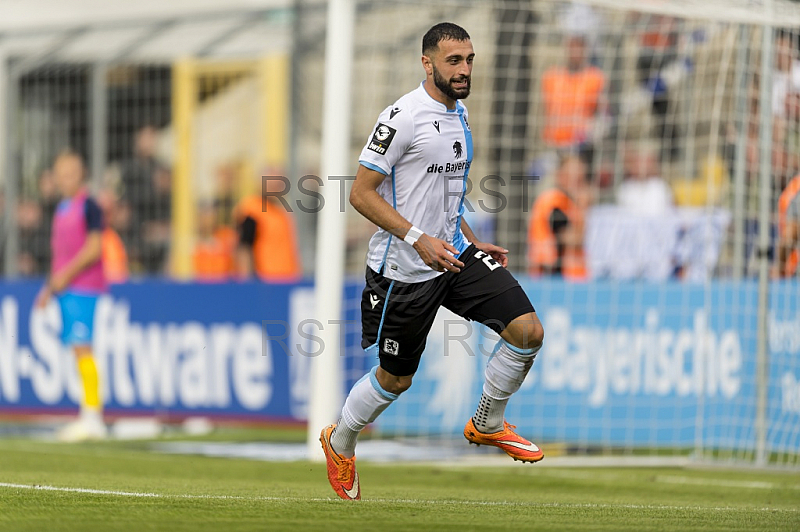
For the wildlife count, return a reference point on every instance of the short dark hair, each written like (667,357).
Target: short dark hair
(440,32)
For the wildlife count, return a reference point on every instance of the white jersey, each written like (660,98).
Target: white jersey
(425,151)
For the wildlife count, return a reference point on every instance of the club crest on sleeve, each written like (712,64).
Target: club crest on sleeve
(381,139)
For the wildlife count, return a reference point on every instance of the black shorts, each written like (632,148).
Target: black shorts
(396,317)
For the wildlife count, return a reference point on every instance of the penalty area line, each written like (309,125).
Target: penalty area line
(433,502)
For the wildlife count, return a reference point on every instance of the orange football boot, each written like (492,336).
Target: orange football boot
(342,472)
(509,441)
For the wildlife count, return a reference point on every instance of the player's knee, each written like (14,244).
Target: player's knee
(532,336)
(536,335)
(526,332)
(393,383)
(398,385)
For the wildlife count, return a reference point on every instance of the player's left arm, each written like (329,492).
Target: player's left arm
(496,252)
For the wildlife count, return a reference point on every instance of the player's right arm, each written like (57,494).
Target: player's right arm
(436,253)
(392,137)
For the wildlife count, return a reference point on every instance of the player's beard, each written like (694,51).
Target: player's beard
(446,86)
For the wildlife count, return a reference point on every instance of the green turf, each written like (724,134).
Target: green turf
(247,495)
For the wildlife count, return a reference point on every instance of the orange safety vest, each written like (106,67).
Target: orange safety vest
(115,258)
(275,254)
(542,245)
(786,197)
(213,258)
(570,102)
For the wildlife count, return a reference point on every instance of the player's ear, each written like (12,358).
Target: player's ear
(427,64)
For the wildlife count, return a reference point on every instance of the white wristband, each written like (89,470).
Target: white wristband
(412,236)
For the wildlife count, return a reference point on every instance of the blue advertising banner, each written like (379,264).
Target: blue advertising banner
(783,396)
(170,348)
(623,364)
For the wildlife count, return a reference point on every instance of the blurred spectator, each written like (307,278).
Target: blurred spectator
(556,230)
(48,191)
(147,189)
(785,106)
(48,199)
(644,191)
(579,18)
(213,256)
(786,76)
(786,109)
(267,238)
(789,229)
(785,146)
(157,230)
(32,254)
(225,197)
(658,51)
(34,218)
(752,148)
(571,98)
(115,257)
(785,151)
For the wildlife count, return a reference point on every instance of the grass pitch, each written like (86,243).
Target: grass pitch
(124,486)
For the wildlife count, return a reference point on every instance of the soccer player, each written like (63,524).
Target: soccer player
(77,280)
(411,183)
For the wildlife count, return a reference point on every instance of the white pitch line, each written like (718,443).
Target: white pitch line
(78,490)
(746,484)
(394,501)
(115,493)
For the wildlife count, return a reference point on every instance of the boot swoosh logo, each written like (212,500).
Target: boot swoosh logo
(353,492)
(525,447)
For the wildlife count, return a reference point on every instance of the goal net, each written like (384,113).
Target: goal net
(671,347)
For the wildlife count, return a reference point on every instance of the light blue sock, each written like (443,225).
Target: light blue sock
(505,373)
(364,404)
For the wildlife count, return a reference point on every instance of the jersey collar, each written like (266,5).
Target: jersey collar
(427,99)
